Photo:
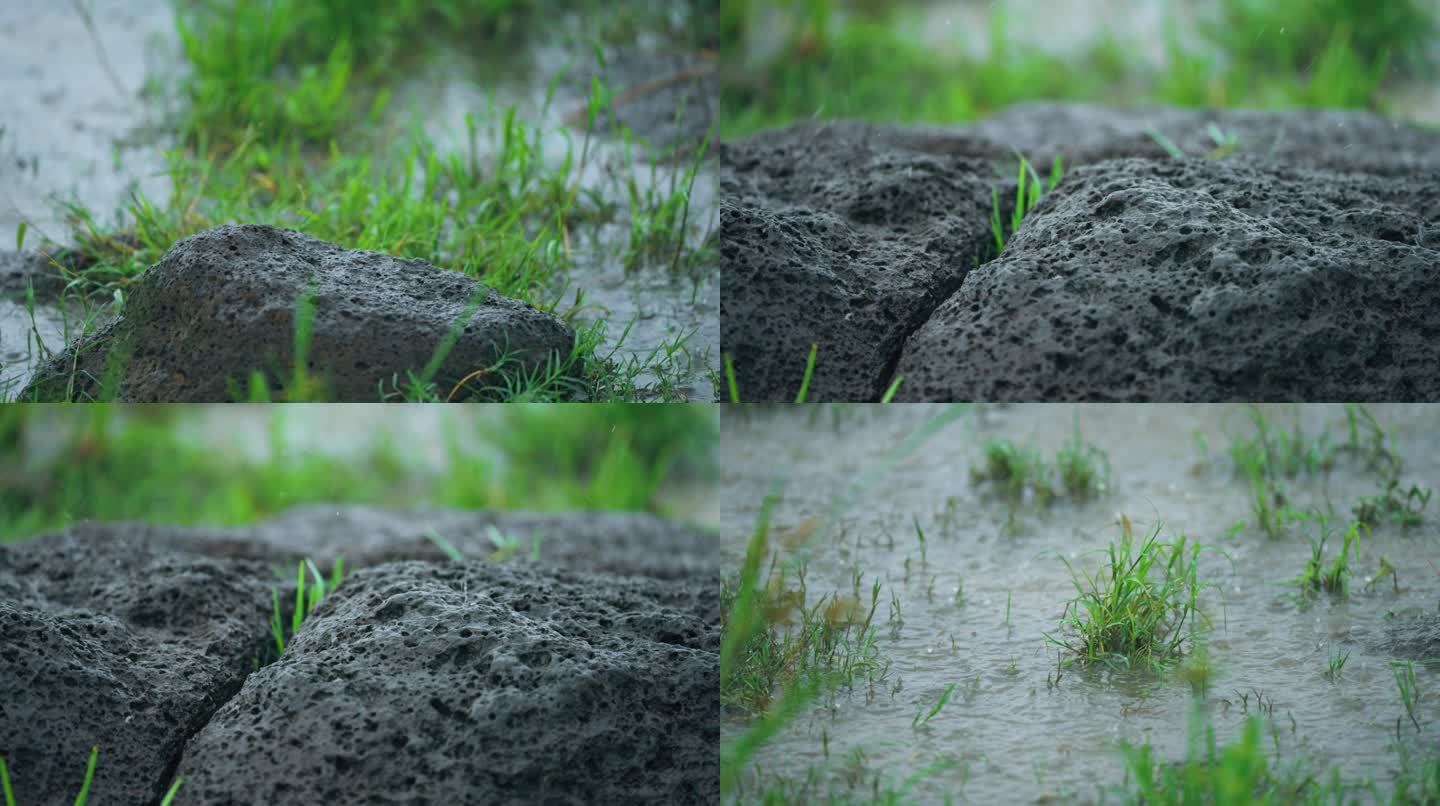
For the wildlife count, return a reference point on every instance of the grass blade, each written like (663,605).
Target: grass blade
(89,776)
(444,545)
(809,372)
(170,793)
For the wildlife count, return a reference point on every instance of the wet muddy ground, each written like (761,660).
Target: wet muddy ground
(1010,734)
(86,123)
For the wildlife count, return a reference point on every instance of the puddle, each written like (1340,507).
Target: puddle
(1009,736)
(18,350)
(71,134)
(77,123)
(663,308)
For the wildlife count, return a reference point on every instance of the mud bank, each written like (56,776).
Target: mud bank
(1297,263)
(588,674)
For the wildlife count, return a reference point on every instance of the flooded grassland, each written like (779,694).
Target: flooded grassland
(928,571)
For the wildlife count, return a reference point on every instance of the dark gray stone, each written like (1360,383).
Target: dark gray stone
(221,303)
(829,235)
(1303,266)
(109,640)
(1199,280)
(598,662)
(478,683)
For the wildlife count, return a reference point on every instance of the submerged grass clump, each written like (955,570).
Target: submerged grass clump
(1022,474)
(1273,457)
(1332,578)
(1138,609)
(1243,772)
(1084,468)
(1409,691)
(1239,772)
(775,638)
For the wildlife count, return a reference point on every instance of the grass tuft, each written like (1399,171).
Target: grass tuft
(1138,609)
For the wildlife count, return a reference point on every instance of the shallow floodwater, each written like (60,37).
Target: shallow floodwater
(662,308)
(1007,734)
(18,351)
(71,132)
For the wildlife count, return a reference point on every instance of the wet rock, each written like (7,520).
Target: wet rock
(1198,280)
(830,235)
(116,642)
(477,683)
(221,304)
(1299,266)
(546,680)
(668,99)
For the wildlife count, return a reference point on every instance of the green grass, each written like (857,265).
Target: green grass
(114,463)
(838,59)
(1242,772)
(793,642)
(1333,578)
(1273,457)
(1409,691)
(759,654)
(1026,197)
(771,671)
(1021,473)
(1239,772)
(84,794)
(1390,505)
(1084,468)
(922,717)
(306,600)
(1336,663)
(732,387)
(284,123)
(1138,609)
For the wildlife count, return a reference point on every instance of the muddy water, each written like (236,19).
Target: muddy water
(1009,736)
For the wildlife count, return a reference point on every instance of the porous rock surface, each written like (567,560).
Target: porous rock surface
(1300,266)
(221,304)
(564,680)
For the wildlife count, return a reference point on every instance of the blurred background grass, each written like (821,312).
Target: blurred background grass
(219,465)
(956,60)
